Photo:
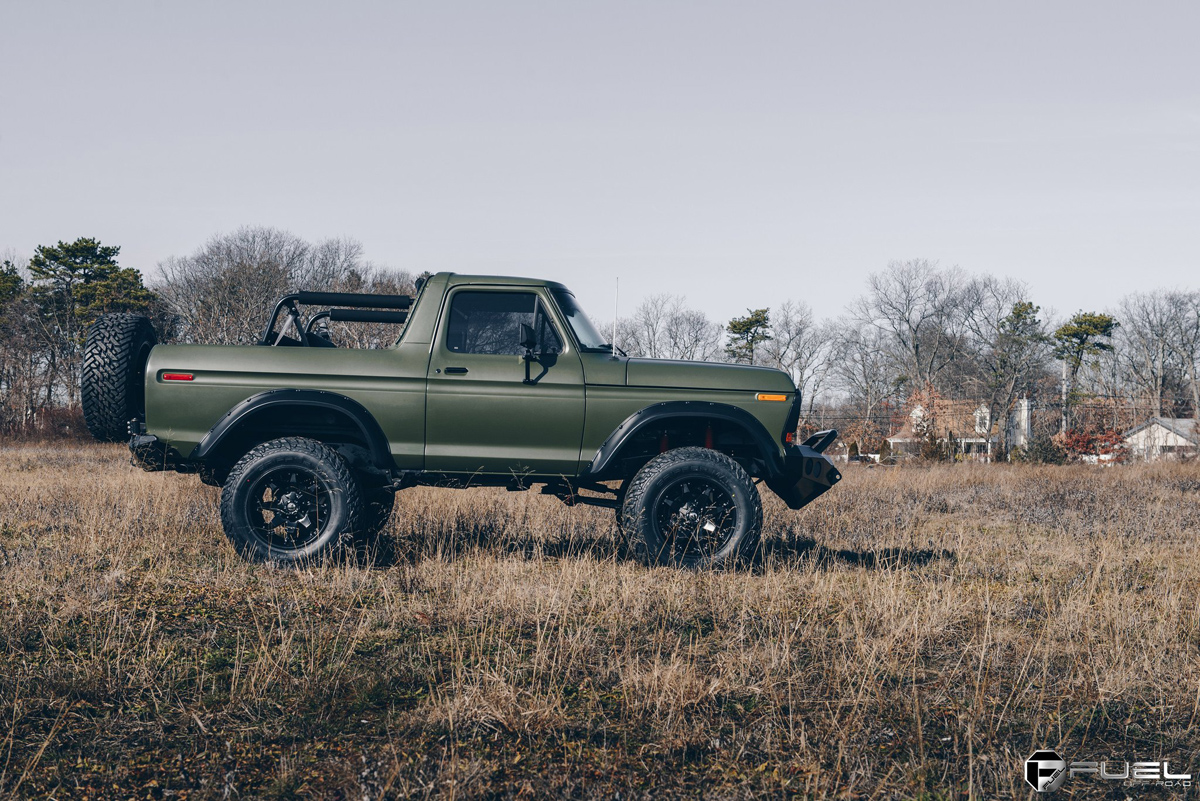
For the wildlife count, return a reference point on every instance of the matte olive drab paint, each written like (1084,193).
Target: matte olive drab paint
(608,407)
(390,383)
(690,375)
(487,420)
(422,317)
(483,420)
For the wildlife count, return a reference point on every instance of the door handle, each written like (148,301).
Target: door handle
(455,370)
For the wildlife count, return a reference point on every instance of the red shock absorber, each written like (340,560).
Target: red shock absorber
(708,437)
(663,444)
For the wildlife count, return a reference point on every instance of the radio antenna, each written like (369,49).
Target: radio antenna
(616,297)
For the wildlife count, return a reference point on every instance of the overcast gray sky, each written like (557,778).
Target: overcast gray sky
(740,153)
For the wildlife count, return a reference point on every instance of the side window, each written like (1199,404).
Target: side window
(490,322)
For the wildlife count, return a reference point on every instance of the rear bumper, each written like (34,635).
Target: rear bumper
(806,474)
(152,454)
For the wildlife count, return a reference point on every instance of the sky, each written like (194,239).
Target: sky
(738,153)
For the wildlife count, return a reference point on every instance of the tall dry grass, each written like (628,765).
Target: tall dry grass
(914,633)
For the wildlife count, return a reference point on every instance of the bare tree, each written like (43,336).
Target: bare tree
(1144,342)
(224,292)
(800,346)
(24,366)
(1185,340)
(862,369)
(692,336)
(367,278)
(644,332)
(1008,342)
(663,327)
(918,306)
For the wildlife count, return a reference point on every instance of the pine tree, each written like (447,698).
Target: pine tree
(746,333)
(1075,341)
(72,284)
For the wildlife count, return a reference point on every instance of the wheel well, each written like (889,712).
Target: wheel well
(328,425)
(668,433)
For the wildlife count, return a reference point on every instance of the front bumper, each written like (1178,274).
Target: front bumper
(806,473)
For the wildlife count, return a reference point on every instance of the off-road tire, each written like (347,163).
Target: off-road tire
(644,502)
(622,491)
(315,462)
(114,374)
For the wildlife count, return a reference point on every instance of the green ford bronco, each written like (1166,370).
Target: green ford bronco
(492,381)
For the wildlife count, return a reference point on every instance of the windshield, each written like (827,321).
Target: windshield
(589,338)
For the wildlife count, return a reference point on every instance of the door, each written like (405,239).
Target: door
(482,414)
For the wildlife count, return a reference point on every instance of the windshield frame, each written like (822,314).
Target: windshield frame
(565,300)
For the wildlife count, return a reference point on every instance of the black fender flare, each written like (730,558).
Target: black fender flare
(675,409)
(372,433)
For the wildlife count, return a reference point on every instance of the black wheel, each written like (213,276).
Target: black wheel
(113,388)
(692,507)
(291,500)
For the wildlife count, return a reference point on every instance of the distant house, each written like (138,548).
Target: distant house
(968,426)
(1163,437)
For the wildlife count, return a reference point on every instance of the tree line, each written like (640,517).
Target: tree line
(222,293)
(920,334)
(917,334)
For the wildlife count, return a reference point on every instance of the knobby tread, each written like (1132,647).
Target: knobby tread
(347,485)
(630,519)
(108,386)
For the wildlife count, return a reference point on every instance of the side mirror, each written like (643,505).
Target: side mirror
(528,338)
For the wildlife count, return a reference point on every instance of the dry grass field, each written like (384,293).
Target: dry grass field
(913,634)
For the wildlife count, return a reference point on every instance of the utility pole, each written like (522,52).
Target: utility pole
(1064,397)
(1114,392)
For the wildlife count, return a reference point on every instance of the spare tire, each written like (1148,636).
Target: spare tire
(114,374)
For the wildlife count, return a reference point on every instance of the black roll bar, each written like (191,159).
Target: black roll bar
(367,316)
(353,299)
(337,299)
(356,316)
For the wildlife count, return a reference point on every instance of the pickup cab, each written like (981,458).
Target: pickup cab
(491,381)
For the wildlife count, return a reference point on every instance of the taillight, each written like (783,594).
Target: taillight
(178,377)
(789,437)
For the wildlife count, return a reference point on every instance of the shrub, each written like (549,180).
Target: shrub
(1078,444)
(1041,449)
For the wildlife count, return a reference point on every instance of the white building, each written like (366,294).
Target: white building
(1161,437)
(1020,424)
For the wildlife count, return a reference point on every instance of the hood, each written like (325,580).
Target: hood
(705,375)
